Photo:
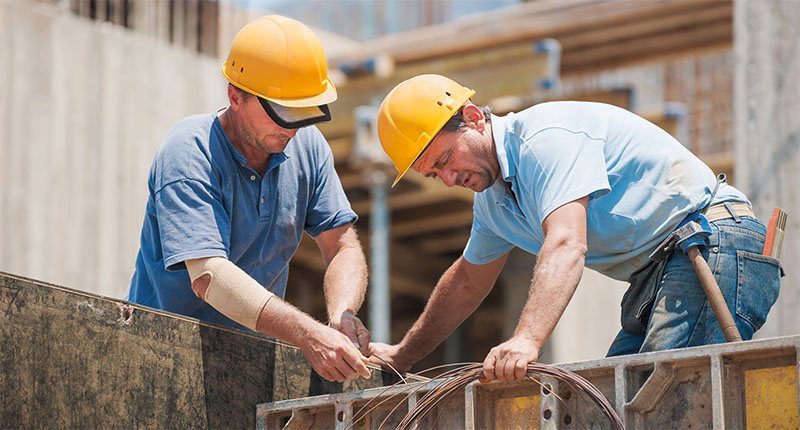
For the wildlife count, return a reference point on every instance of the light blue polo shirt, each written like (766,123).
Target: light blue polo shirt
(205,202)
(641,183)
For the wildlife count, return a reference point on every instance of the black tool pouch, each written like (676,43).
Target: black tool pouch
(637,303)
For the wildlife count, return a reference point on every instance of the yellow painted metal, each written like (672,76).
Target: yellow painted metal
(771,398)
(518,413)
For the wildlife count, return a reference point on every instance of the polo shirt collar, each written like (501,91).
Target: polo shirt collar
(499,129)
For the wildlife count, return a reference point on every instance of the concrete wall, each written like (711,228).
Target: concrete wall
(767,131)
(83,107)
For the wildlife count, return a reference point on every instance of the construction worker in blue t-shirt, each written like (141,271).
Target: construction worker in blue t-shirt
(232,193)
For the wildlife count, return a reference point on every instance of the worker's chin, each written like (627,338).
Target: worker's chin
(477,187)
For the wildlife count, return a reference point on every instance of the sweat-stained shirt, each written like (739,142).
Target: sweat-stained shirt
(205,202)
(641,184)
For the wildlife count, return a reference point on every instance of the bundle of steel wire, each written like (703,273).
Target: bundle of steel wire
(458,378)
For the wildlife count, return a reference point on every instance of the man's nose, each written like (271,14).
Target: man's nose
(448,177)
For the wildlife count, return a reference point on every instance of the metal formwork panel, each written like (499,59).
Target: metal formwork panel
(749,384)
(70,359)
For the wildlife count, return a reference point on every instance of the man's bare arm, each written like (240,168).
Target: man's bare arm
(238,296)
(458,293)
(345,281)
(559,267)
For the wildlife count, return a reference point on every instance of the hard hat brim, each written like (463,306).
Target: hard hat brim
(326,97)
(401,174)
(295,117)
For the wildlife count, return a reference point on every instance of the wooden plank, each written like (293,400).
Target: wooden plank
(417,283)
(699,14)
(648,47)
(453,242)
(528,21)
(77,360)
(429,193)
(522,71)
(423,225)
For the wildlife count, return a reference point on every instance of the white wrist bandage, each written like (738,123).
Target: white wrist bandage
(231,291)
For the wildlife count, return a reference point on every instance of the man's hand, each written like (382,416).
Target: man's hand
(382,353)
(333,355)
(509,360)
(353,328)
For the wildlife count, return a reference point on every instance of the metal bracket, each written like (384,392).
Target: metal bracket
(653,389)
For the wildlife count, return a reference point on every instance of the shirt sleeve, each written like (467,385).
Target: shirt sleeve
(192,223)
(484,246)
(328,206)
(558,166)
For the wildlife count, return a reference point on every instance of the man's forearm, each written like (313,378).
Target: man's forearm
(328,351)
(558,270)
(345,281)
(283,321)
(452,301)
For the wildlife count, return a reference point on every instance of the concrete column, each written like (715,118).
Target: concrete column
(379,298)
(767,133)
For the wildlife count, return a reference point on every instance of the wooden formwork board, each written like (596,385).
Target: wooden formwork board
(736,385)
(70,359)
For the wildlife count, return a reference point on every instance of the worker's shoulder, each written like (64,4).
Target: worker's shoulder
(190,139)
(192,127)
(568,110)
(545,119)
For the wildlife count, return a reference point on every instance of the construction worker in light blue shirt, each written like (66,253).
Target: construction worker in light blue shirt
(578,184)
(232,193)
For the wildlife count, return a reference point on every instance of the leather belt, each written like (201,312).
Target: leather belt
(727,210)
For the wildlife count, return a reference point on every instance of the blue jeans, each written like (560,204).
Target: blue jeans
(681,314)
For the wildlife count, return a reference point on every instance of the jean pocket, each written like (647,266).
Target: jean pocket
(758,284)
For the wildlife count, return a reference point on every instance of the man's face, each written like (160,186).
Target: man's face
(257,130)
(465,158)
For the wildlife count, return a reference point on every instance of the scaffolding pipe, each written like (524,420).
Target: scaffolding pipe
(379,309)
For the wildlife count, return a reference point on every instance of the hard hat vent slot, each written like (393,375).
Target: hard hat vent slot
(448,93)
(241,70)
(439,103)
(233,63)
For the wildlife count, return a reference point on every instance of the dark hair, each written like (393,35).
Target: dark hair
(457,122)
(241,92)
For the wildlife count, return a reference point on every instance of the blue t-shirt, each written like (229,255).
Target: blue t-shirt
(205,202)
(641,183)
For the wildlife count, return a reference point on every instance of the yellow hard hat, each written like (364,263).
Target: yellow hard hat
(413,112)
(280,60)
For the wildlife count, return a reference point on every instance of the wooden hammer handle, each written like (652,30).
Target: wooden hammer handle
(714,295)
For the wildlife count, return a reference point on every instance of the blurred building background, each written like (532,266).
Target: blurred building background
(92,86)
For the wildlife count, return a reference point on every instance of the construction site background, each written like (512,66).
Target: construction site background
(92,88)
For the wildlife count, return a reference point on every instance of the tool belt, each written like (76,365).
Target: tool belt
(637,303)
(727,210)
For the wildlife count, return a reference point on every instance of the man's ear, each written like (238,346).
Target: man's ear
(473,116)
(234,97)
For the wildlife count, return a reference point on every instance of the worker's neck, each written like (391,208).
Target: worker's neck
(493,157)
(257,159)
